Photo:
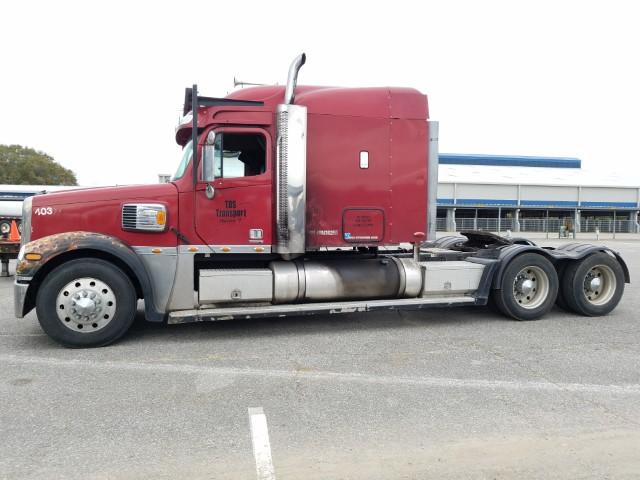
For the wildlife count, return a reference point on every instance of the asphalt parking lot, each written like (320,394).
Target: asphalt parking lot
(457,393)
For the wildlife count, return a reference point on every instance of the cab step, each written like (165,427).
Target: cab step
(298,309)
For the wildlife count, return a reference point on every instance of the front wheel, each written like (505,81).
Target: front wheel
(86,303)
(594,285)
(528,288)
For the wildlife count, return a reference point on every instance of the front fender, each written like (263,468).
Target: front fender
(54,247)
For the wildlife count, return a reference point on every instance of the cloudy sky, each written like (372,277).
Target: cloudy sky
(99,85)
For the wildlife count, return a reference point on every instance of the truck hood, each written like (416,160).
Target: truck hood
(101,194)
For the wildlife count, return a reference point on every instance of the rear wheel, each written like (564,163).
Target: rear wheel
(528,288)
(86,303)
(594,285)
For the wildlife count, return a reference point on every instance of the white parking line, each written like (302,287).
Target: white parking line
(22,334)
(320,375)
(261,445)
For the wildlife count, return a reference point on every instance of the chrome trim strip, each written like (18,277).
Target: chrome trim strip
(145,250)
(21,279)
(432,179)
(26,221)
(221,249)
(291,180)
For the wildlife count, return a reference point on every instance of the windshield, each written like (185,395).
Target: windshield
(186,158)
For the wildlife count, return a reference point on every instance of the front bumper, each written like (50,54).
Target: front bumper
(19,296)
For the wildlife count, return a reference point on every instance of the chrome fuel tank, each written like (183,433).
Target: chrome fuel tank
(320,280)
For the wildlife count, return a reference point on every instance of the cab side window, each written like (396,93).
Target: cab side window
(234,155)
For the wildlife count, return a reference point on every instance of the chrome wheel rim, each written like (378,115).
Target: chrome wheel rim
(86,305)
(531,287)
(599,285)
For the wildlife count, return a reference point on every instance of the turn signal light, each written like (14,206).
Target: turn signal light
(34,257)
(161,217)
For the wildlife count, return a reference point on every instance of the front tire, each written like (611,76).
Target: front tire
(86,303)
(528,288)
(594,285)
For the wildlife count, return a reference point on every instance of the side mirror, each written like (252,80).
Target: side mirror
(208,158)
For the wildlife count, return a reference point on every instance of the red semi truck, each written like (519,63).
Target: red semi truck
(298,200)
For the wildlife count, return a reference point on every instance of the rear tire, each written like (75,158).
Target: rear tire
(86,302)
(528,288)
(594,285)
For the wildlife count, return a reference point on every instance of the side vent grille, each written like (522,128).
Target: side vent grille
(283,184)
(129,217)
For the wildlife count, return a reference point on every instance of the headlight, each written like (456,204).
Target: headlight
(150,217)
(5,227)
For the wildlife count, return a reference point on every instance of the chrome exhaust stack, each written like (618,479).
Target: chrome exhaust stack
(292,78)
(291,170)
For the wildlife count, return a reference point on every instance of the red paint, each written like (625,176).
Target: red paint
(389,123)
(395,181)
(380,102)
(238,205)
(99,210)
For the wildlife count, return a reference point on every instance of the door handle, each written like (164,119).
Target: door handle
(210,191)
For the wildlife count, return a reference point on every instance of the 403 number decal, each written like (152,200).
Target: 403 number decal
(43,211)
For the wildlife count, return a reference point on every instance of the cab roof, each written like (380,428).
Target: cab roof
(376,102)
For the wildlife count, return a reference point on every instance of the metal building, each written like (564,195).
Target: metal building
(499,193)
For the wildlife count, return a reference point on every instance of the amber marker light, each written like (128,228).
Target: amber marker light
(33,257)
(161,217)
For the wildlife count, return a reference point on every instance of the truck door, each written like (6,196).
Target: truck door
(233,204)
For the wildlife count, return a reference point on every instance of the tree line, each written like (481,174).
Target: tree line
(25,166)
